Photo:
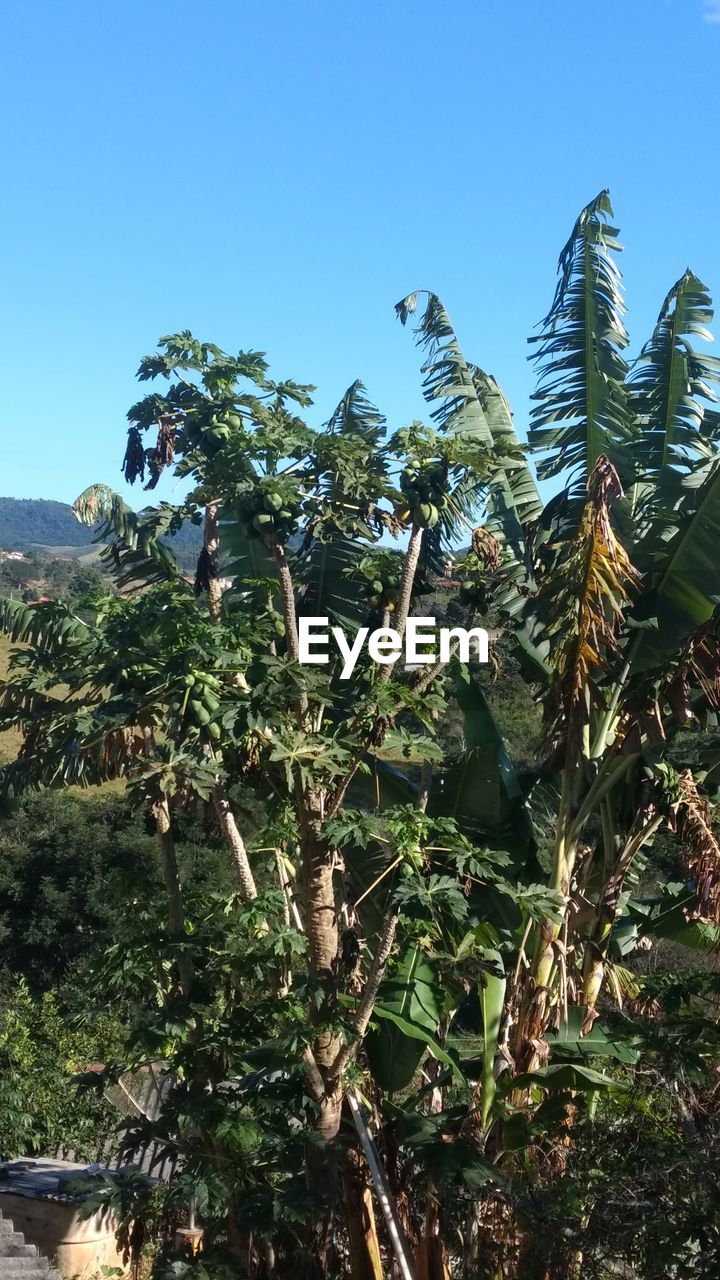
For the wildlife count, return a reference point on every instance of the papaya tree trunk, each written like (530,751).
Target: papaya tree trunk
(234,842)
(211,543)
(405,590)
(321,927)
(221,803)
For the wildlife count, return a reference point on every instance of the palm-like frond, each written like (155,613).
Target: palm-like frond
(49,624)
(513,502)
(469,401)
(481,789)
(133,548)
(357,414)
(244,558)
(672,383)
(349,467)
(512,464)
(352,475)
(582,407)
(329,588)
(448,376)
(681,586)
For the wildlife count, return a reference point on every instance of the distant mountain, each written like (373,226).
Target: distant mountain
(27,523)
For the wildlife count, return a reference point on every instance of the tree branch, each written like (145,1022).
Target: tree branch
(369,996)
(287,596)
(405,590)
(234,841)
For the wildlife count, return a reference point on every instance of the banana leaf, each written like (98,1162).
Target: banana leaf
(492,1001)
(409,1009)
(481,790)
(683,591)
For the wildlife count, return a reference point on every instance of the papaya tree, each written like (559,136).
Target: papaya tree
(207,693)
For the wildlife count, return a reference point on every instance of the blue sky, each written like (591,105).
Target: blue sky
(278,175)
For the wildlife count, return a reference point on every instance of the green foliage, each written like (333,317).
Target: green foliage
(413,998)
(490,913)
(66,861)
(638,1191)
(39,1055)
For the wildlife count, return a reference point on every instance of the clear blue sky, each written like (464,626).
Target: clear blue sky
(278,175)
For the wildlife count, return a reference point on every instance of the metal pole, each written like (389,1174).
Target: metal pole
(382,1189)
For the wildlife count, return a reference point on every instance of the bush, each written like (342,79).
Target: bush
(39,1054)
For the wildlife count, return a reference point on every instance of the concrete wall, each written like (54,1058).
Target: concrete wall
(77,1247)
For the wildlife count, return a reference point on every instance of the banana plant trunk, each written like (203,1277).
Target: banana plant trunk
(364,1245)
(536,1002)
(431,1259)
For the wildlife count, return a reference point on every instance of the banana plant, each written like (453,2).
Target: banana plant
(609,590)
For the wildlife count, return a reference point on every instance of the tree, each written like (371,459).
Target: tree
(431,930)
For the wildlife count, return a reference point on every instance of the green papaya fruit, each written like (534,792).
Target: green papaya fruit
(200,714)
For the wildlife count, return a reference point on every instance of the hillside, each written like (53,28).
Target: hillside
(44,525)
(26,522)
